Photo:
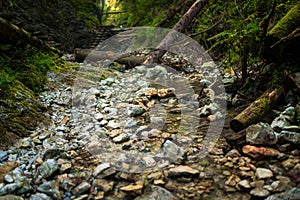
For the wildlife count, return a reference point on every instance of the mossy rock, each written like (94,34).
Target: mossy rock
(19,111)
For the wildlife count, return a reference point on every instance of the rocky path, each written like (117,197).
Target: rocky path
(134,135)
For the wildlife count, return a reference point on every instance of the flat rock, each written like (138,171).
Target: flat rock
(262,173)
(259,192)
(81,188)
(133,188)
(157,193)
(182,171)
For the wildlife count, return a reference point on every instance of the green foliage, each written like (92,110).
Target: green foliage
(87,10)
(28,65)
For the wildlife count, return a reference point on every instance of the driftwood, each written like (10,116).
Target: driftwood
(255,111)
(10,34)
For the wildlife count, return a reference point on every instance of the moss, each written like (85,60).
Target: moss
(287,24)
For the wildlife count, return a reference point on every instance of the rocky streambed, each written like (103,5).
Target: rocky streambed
(146,133)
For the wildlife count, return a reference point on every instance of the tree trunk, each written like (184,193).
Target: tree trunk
(180,26)
(283,40)
(10,34)
(255,111)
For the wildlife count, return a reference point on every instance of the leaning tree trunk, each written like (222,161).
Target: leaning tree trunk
(283,40)
(180,26)
(10,33)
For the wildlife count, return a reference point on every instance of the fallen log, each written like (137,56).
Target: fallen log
(129,59)
(255,111)
(11,34)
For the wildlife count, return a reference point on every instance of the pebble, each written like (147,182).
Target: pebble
(3,156)
(263,173)
(47,168)
(259,192)
(182,171)
(81,188)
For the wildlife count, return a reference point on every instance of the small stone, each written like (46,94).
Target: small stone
(133,188)
(262,173)
(103,122)
(112,124)
(10,188)
(157,192)
(40,196)
(182,171)
(121,138)
(81,188)
(284,119)
(50,188)
(256,152)
(103,184)
(244,184)
(259,192)
(258,184)
(3,156)
(233,180)
(46,169)
(134,110)
(115,133)
(289,136)
(172,151)
(233,153)
(100,195)
(100,168)
(99,116)
(159,182)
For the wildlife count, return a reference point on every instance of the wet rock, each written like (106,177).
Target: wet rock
(263,173)
(182,171)
(173,151)
(292,194)
(103,184)
(233,153)
(10,188)
(24,183)
(156,193)
(112,124)
(50,188)
(244,184)
(208,109)
(134,110)
(156,72)
(51,153)
(100,168)
(293,137)
(286,118)
(290,163)
(7,167)
(46,169)
(40,196)
(259,192)
(257,152)
(11,197)
(121,138)
(137,188)
(261,134)
(233,180)
(3,156)
(131,123)
(81,188)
